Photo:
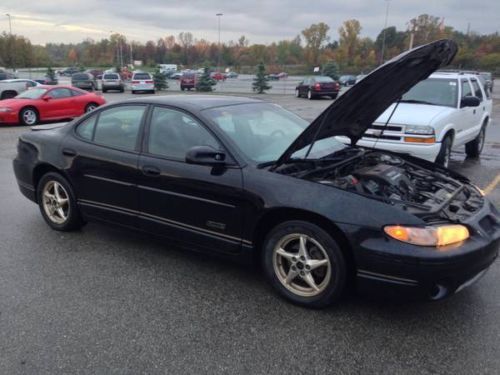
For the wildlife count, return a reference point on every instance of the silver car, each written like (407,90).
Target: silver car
(112,81)
(142,81)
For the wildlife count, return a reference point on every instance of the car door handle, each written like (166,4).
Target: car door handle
(150,170)
(69,152)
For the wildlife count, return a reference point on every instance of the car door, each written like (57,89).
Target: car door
(195,204)
(102,157)
(467,116)
(481,110)
(58,103)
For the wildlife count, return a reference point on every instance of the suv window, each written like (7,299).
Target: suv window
(111,76)
(172,133)
(59,93)
(466,90)
(117,127)
(477,89)
(142,76)
(80,77)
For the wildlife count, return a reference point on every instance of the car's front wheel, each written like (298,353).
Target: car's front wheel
(28,116)
(57,203)
(474,148)
(304,264)
(90,107)
(309,95)
(444,155)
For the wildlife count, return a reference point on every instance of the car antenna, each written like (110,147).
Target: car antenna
(386,123)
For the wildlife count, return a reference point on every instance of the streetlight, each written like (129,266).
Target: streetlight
(219,15)
(385,29)
(13,57)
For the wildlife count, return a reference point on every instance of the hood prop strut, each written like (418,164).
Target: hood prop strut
(387,122)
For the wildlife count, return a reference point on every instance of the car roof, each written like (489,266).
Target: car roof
(455,75)
(197,102)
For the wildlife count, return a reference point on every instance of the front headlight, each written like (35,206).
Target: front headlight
(5,109)
(419,129)
(428,236)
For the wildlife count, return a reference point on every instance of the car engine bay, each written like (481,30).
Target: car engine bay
(432,195)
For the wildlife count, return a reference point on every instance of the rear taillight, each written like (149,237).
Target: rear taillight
(149,81)
(135,82)
(317,86)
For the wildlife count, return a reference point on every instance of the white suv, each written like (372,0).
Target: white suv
(447,110)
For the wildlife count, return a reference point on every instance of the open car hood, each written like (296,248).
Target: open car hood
(353,112)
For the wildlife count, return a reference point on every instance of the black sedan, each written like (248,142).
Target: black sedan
(249,179)
(314,87)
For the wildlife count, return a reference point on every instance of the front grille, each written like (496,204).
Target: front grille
(388,137)
(392,128)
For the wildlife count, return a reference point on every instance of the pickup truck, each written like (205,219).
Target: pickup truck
(445,111)
(10,88)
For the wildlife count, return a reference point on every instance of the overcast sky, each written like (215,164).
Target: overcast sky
(261,21)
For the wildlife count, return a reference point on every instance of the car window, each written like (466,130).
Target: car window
(59,93)
(477,89)
(80,77)
(119,127)
(466,90)
(142,76)
(86,128)
(111,76)
(77,93)
(172,133)
(31,83)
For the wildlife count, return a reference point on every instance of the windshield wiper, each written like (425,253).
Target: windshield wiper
(415,101)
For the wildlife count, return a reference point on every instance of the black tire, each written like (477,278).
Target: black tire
(104,91)
(310,95)
(73,219)
(443,157)
(297,93)
(330,288)
(153,92)
(334,96)
(133,91)
(474,148)
(122,90)
(90,107)
(182,88)
(23,116)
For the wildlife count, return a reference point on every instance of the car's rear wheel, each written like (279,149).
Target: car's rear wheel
(334,96)
(309,95)
(297,93)
(57,203)
(444,155)
(28,116)
(304,264)
(104,90)
(90,107)
(474,148)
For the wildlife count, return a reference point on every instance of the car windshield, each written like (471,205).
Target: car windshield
(434,91)
(323,79)
(110,76)
(80,77)
(263,131)
(142,76)
(32,94)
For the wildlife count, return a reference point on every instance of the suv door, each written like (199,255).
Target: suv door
(195,204)
(466,120)
(102,157)
(483,110)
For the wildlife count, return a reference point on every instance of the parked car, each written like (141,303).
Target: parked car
(246,178)
(282,75)
(272,77)
(347,80)
(47,81)
(10,88)
(96,72)
(142,81)
(6,75)
(231,75)
(313,87)
(112,81)
(44,103)
(176,75)
(218,76)
(68,72)
(445,111)
(84,81)
(188,81)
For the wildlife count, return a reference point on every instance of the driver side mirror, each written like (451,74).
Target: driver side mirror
(470,101)
(205,155)
(46,98)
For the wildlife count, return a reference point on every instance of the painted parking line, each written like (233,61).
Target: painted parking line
(492,185)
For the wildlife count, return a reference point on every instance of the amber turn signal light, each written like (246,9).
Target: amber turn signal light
(420,140)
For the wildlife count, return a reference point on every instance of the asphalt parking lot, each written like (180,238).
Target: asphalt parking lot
(103,301)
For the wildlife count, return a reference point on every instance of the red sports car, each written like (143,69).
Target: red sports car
(43,103)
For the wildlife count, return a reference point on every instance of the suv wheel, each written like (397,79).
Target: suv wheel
(474,148)
(304,264)
(443,157)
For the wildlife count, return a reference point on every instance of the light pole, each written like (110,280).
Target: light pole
(385,29)
(13,57)
(219,15)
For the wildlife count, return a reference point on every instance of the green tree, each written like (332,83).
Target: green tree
(50,74)
(331,69)
(159,79)
(349,39)
(315,36)
(260,82)
(205,83)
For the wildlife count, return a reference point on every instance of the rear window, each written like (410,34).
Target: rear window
(188,75)
(323,79)
(80,77)
(142,76)
(111,76)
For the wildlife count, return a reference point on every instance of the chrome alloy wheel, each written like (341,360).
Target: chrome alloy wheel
(55,202)
(29,117)
(302,265)
(90,108)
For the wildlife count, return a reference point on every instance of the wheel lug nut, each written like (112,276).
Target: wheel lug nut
(294,268)
(294,259)
(302,273)
(308,267)
(302,258)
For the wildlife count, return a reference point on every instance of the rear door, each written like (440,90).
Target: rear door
(195,204)
(102,160)
(467,119)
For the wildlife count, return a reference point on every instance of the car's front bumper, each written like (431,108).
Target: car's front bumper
(388,267)
(9,118)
